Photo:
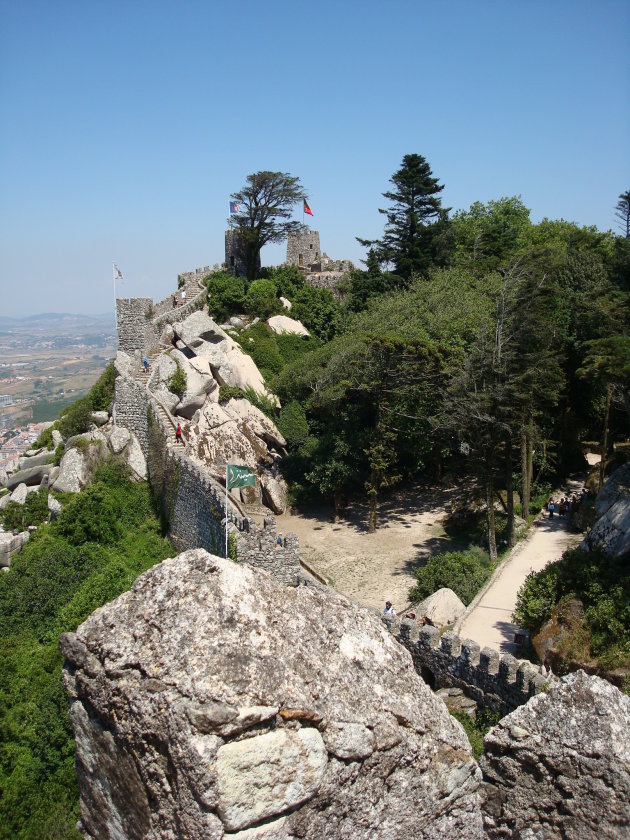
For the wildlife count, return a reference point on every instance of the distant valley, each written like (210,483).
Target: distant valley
(48,360)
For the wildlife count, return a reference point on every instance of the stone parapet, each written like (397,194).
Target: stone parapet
(260,548)
(499,683)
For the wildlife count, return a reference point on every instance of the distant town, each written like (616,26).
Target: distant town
(46,362)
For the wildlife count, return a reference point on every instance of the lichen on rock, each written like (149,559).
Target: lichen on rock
(224,704)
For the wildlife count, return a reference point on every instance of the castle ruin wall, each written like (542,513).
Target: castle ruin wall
(499,683)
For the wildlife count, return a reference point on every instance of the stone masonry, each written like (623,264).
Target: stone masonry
(303,249)
(499,683)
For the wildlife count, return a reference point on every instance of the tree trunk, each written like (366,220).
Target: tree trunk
(373,511)
(509,489)
(492,535)
(602,463)
(525,487)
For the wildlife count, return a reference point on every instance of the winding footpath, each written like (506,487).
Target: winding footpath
(489,618)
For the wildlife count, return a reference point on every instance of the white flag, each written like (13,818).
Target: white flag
(117,272)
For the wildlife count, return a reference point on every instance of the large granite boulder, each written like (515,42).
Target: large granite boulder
(44,457)
(611,529)
(31,476)
(210,702)
(275,492)
(135,459)
(258,422)
(283,324)
(229,364)
(11,544)
(19,494)
(441,608)
(560,765)
(73,472)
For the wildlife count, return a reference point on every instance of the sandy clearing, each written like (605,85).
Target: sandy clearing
(373,568)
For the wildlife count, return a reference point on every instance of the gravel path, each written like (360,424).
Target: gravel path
(489,622)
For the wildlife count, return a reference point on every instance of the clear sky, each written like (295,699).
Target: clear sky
(126,124)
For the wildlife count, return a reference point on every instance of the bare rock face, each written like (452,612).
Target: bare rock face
(73,472)
(210,702)
(611,530)
(560,765)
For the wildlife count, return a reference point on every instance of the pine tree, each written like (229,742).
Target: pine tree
(622,212)
(414,219)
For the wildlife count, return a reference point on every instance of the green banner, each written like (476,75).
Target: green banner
(239,476)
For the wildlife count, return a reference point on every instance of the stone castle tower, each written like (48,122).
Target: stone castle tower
(233,259)
(303,249)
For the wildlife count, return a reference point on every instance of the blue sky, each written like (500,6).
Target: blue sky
(125,126)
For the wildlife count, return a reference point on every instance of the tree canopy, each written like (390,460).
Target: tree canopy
(415,210)
(265,205)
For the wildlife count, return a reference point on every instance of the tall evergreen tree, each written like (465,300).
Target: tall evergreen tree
(265,207)
(413,219)
(622,212)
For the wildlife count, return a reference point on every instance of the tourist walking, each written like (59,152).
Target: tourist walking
(178,434)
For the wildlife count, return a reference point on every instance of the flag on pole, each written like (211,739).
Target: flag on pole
(307,209)
(234,208)
(239,476)
(117,272)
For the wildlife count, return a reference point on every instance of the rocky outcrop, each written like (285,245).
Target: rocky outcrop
(228,363)
(11,544)
(209,702)
(611,529)
(560,765)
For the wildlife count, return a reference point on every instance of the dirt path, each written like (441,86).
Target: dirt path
(490,621)
(373,568)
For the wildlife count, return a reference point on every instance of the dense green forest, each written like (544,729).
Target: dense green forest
(103,539)
(473,344)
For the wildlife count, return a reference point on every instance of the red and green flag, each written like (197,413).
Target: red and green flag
(307,209)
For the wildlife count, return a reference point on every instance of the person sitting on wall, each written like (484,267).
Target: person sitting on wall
(389,611)
(279,541)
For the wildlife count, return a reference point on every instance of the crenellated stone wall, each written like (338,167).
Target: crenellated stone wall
(192,502)
(499,683)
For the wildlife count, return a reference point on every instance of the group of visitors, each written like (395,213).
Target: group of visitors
(562,508)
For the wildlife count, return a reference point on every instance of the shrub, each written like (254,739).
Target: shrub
(226,294)
(76,418)
(101,394)
(44,439)
(51,587)
(34,511)
(465,572)
(293,424)
(260,343)
(261,299)
(318,310)
(178,381)
(287,279)
(291,346)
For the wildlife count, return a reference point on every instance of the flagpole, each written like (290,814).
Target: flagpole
(226,509)
(115,308)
